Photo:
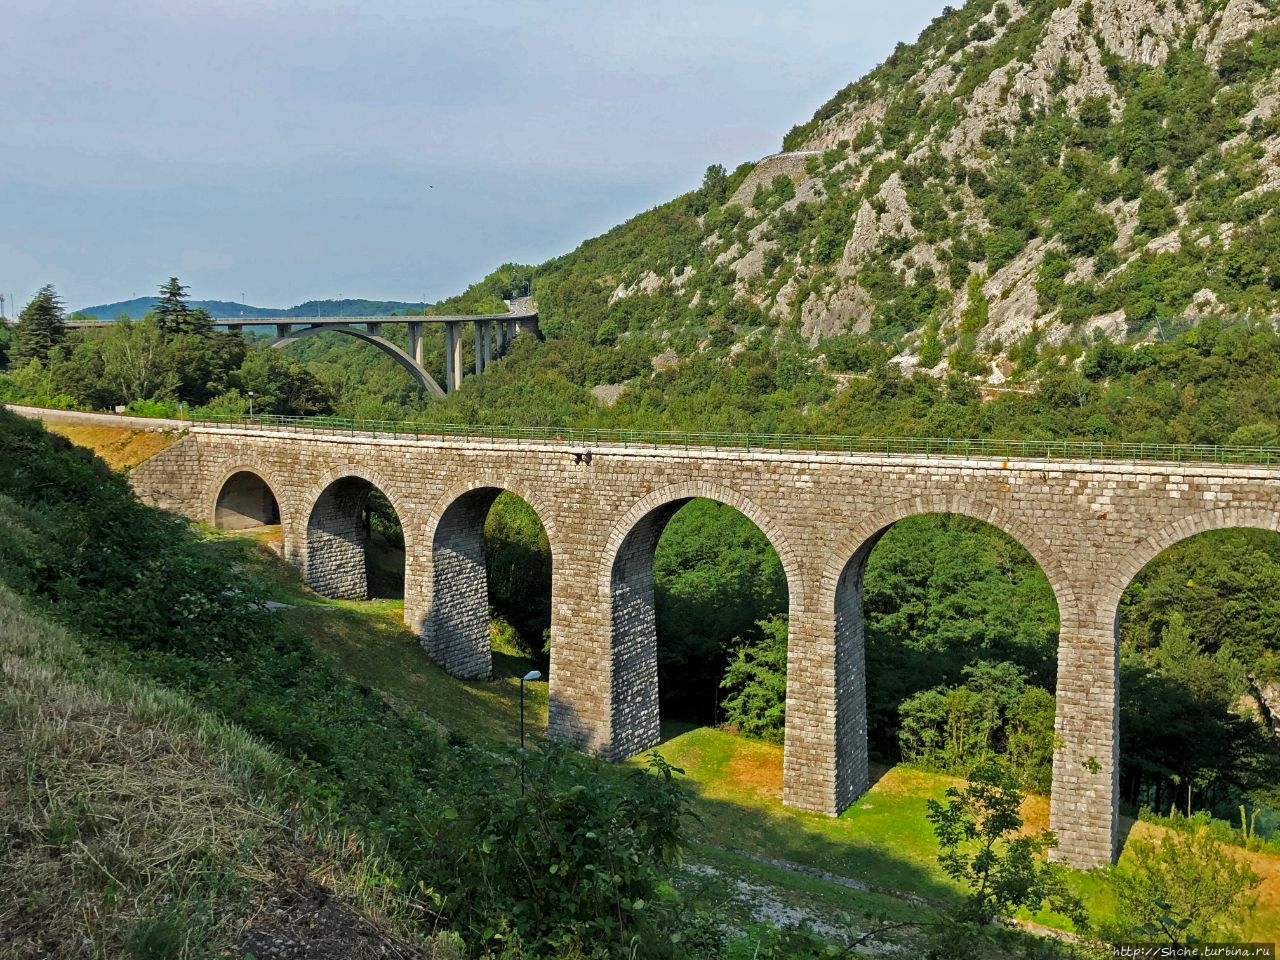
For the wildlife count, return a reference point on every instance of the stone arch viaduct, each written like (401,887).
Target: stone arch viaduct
(1090,525)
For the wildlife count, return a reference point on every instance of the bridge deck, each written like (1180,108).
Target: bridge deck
(522,314)
(1056,451)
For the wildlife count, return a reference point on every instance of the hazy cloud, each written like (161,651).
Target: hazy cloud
(287,150)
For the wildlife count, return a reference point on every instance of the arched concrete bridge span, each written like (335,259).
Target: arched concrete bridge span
(1090,525)
(492,332)
(414,367)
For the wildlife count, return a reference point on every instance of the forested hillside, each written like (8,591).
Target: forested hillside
(1023,173)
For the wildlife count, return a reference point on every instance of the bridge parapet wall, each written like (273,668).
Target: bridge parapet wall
(1091,526)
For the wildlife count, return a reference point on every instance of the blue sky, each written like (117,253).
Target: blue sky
(387,149)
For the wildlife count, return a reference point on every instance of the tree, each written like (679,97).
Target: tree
(714,191)
(40,327)
(1183,890)
(281,385)
(995,712)
(134,361)
(172,313)
(980,844)
(757,681)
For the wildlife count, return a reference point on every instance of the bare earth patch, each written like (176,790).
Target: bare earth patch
(121,448)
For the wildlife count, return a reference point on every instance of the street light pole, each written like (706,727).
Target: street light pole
(531,675)
(250,404)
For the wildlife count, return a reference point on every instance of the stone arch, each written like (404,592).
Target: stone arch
(1131,562)
(256,504)
(455,624)
(862,537)
(625,583)
(1085,808)
(332,557)
(840,594)
(693,490)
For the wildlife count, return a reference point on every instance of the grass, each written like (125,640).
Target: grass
(737,783)
(882,842)
(123,809)
(370,644)
(137,825)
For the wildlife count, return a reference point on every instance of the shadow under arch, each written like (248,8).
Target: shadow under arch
(334,561)
(841,593)
(625,579)
(244,498)
(455,624)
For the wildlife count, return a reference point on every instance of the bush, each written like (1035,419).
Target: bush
(1182,890)
(757,681)
(981,844)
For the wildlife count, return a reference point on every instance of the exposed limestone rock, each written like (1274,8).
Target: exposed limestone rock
(861,242)
(847,126)
(1203,303)
(791,164)
(1125,216)
(1083,270)
(733,253)
(1237,20)
(664,360)
(1112,325)
(940,82)
(1013,304)
(649,282)
(1168,243)
(607,394)
(752,264)
(846,311)
(781,307)
(922,255)
(1268,100)
(1270,166)
(897,215)
(1140,30)
(998,101)
(1267,694)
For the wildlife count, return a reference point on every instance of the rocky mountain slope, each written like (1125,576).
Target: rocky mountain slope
(1025,172)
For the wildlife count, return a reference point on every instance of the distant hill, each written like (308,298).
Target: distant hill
(227,309)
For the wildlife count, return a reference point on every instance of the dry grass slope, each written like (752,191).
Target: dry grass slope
(133,825)
(121,448)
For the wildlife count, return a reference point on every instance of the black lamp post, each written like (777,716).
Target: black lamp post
(531,675)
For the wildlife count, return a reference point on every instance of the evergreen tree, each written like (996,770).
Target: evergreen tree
(40,327)
(172,313)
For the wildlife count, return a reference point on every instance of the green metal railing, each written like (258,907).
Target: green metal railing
(1083,450)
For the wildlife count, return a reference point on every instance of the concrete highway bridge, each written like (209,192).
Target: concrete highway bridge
(1090,522)
(492,333)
